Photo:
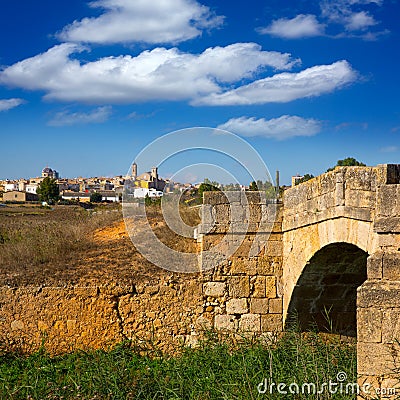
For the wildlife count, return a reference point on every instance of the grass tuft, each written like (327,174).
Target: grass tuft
(216,369)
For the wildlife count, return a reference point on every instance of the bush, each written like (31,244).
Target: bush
(305,178)
(96,197)
(48,191)
(347,162)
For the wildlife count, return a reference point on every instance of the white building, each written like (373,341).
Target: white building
(9,187)
(31,188)
(141,193)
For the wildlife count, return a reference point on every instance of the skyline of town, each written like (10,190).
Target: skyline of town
(81,88)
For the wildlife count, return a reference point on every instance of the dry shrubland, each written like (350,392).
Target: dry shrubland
(71,245)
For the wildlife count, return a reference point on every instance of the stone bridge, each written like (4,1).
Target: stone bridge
(328,257)
(331,262)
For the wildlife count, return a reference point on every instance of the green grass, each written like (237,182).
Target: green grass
(214,370)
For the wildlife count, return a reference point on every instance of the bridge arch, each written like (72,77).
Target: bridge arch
(301,244)
(325,293)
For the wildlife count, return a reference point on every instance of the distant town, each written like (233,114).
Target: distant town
(80,189)
(147,184)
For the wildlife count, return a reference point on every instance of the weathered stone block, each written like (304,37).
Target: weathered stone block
(259,286)
(360,178)
(214,198)
(359,198)
(214,289)
(259,306)
(271,323)
(266,265)
(255,197)
(378,293)
(203,323)
(369,325)
(245,247)
(237,306)
(239,286)
(275,306)
(255,212)
(391,326)
(376,358)
(375,266)
(207,216)
(391,266)
(326,201)
(387,225)
(387,201)
(389,240)
(390,387)
(250,323)
(270,286)
(239,213)
(327,183)
(222,213)
(274,248)
(271,213)
(244,266)
(339,193)
(225,322)
(369,387)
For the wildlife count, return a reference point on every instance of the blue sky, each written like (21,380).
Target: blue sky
(85,86)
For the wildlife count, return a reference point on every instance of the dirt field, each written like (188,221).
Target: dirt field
(69,245)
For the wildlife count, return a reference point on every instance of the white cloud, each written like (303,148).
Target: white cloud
(390,149)
(157,21)
(359,21)
(159,74)
(295,28)
(99,115)
(285,87)
(349,16)
(8,104)
(353,125)
(281,128)
(343,12)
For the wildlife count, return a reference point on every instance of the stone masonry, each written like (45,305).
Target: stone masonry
(352,211)
(333,243)
(242,294)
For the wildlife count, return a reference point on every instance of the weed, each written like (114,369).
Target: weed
(216,369)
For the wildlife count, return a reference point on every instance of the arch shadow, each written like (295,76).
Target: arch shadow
(325,295)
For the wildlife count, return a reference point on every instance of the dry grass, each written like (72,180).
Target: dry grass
(70,245)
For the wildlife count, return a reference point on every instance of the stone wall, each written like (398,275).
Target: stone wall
(358,206)
(336,207)
(242,293)
(166,313)
(254,256)
(378,312)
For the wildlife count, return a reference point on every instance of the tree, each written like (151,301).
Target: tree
(96,197)
(48,190)
(347,162)
(207,187)
(305,178)
(253,186)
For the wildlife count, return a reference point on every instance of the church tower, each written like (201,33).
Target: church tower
(134,171)
(154,174)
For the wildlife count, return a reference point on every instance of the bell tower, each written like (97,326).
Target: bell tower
(154,174)
(134,171)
